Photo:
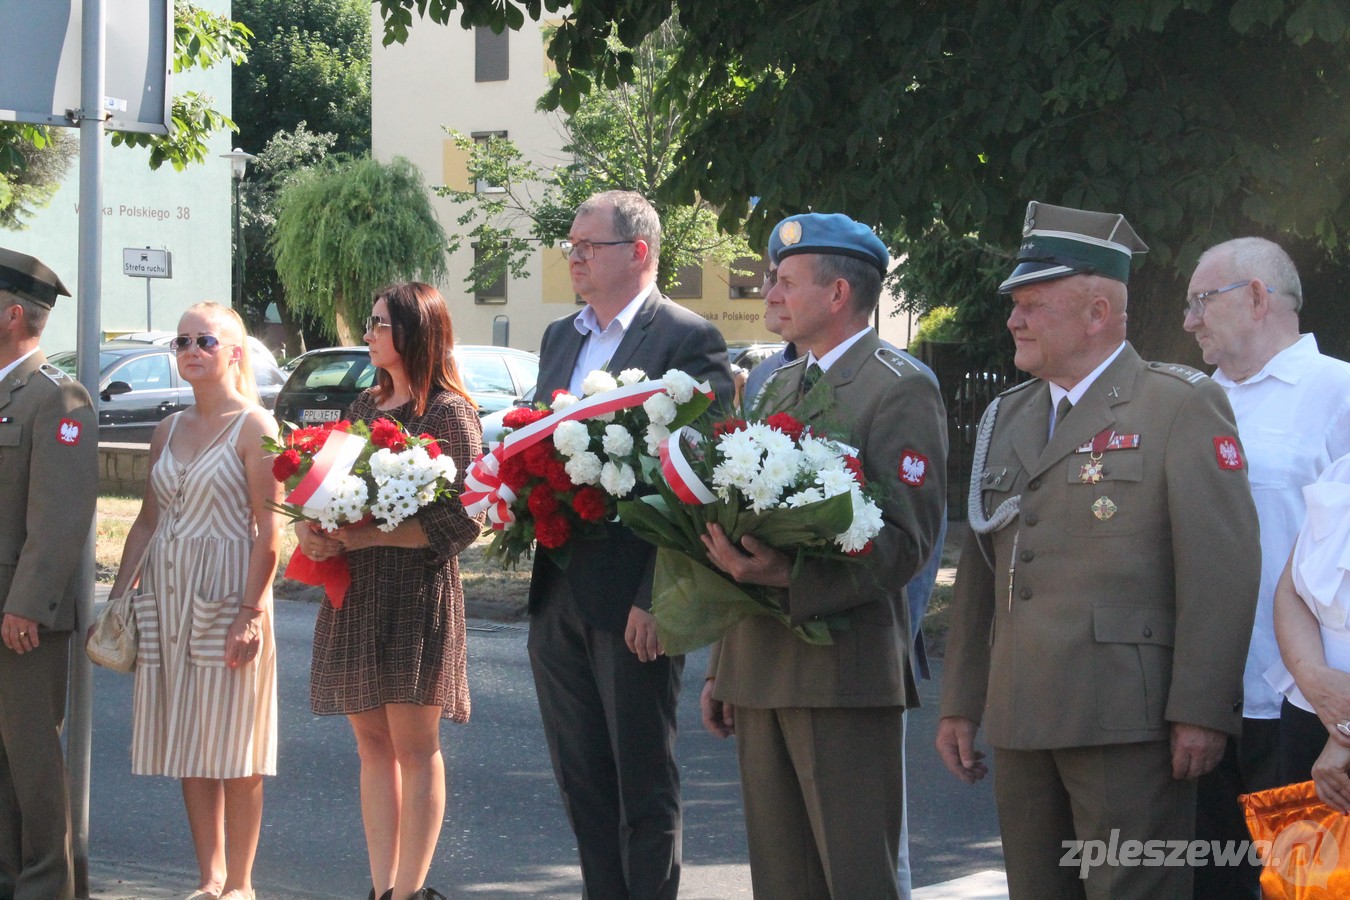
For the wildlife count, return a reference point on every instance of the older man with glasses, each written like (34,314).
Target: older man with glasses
(1292,405)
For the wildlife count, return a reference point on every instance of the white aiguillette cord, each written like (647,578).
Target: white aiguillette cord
(1006,511)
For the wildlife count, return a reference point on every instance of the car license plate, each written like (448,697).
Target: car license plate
(319,415)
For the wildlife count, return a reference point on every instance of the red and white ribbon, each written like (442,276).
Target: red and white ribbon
(333,462)
(679,474)
(483,488)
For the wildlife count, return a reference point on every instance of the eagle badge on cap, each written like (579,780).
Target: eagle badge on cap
(790,233)
(1030,222)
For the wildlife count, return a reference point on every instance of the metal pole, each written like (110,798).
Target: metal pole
(238,255)
(148,326)
(87,338)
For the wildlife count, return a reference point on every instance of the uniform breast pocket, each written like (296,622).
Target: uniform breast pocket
(997,484)
(11,433)
(1115,504)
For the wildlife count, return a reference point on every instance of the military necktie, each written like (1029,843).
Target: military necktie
(1061,410)
(809,379)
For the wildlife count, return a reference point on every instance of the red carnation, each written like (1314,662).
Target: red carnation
(542,502)
(434,448)
(522,416)
(854,466)
(557,391)
(537,458)
(552,532)
(386,434)
(513,473)
(727,426)
(285,465)
(866,549)
(589,503)
(787,424)
(558,479)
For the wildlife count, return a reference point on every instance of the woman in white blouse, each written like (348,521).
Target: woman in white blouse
(1312,624)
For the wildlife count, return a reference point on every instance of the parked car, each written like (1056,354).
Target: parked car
(256,348)
(139,385)
(323,383)
(747,356)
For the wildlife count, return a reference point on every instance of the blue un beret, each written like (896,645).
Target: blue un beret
(832,233)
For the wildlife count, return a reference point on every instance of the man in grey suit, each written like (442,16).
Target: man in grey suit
(48,489)
(819,728)
(1107,582)
(606,691)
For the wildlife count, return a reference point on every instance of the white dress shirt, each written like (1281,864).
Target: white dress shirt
(600,343)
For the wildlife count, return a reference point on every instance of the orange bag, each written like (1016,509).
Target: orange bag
(1306,844)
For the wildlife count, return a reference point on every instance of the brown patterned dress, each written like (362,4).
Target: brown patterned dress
(399,636)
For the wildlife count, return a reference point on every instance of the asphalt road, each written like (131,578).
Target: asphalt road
(505,834)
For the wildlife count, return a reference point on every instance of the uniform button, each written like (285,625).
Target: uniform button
(1026,593)
(1032,518)
(1148,632)
(1034,484)
(1028,555)
(1237,707)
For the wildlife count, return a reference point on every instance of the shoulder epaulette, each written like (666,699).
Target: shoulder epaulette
(894,361)
(1176,370)
(56,376)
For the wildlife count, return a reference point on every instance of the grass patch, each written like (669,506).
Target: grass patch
(936,620)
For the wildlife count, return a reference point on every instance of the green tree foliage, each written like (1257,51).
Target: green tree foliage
(625,138)
(310,62)
(33,160)
(286,156)
(345,230)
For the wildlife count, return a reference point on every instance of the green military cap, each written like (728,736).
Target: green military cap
(26,276)
(1058,241)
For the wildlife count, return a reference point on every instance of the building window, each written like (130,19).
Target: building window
(481,138)
(751,286)
(690,285)
(492,293)
(491,56)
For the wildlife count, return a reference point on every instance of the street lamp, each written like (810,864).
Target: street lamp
(238,165)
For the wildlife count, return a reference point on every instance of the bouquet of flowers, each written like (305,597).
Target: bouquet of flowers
(558,473)
(346,473)
(793,489)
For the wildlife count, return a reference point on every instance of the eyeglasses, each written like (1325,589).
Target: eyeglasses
(770,279)
(207,342)
(373,322)
(1195,305)
(584,250)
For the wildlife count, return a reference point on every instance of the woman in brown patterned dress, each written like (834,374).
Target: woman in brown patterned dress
(392,658)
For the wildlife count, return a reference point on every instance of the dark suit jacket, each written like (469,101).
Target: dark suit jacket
(1113,625)
(608,577)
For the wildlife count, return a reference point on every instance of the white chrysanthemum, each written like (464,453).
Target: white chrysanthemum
(384,464)
(865,526)
(445,467)
(732,473)
(655,435)
(631,376)
(680,386)
(770,439)
(835,481)
(618,480)
(660,408)
(562,401)
(571,437)
(761,494)
(779,470)
(584,468)
(426,494)
(597,382)
(803,497)
(819,454)
(617,441)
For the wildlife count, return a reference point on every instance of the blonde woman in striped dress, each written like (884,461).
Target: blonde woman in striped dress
(205,708)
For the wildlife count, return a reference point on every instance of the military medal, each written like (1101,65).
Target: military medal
(1103,508)
(1092,470)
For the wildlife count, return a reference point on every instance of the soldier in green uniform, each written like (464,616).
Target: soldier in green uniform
(1107,583)
(48,489)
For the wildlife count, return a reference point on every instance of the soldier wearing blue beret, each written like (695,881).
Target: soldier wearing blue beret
(49,485)
(820,729)
(1107,583)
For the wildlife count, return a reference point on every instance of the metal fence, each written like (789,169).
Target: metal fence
(966,391)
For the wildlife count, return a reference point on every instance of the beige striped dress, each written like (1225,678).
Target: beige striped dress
(192,716)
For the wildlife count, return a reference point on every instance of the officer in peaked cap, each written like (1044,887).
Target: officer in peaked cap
(49,482)
(820,729)
(1107,583)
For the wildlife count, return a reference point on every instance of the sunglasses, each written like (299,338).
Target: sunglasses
(374,322)
(207,342)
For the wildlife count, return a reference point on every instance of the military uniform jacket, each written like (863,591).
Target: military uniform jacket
(48,490)
(1102,612)
(893,414)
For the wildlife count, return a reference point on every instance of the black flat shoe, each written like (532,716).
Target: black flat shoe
(387,895)
(427,893)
